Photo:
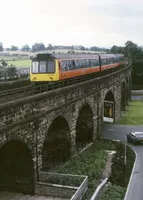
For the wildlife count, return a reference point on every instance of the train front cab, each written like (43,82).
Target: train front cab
(44,71)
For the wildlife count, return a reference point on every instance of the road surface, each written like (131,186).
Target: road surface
(118,132)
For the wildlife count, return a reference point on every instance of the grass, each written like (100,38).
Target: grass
(112,192)
(20,63)
(134,114)
(92,164)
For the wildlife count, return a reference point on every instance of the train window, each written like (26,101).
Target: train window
(42,66)
(50,66)
(77,64)
(104,62)
(69,65)
(113,60)
(90,63)
(64,65)
(86,63)
(108,61)
(34,67)
(95,63)
(81,63)
(66,68)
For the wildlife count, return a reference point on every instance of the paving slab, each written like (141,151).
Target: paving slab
(19,196)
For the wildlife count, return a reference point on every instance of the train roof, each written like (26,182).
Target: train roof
(74,56)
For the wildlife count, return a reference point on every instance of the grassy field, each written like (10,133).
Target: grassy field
(20,63)
(134,114)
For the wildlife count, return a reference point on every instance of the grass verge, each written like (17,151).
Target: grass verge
(112,192)
(133,115)
(92,163)
(120,175)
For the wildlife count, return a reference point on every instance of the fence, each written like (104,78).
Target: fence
(61,185)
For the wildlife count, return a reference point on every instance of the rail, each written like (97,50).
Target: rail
(18,93)
(5,107)
(46,94)
(11,94)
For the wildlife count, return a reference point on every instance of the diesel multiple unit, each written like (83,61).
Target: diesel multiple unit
(57,67)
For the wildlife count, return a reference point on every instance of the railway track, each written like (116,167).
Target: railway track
(11,94)
(22,92)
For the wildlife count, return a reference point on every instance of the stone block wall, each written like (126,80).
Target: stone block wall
(29,119)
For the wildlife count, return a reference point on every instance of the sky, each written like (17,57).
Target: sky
(102,23)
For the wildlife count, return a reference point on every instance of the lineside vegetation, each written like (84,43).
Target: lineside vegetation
(92,163)
(134,114)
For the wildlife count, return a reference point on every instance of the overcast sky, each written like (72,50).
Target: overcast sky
(71,22)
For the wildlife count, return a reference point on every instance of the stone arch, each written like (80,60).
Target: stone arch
(57,144)
(129,86)
(109,96)
(109,107)
(123,96)
(16,168)
(84,127)
(127,91)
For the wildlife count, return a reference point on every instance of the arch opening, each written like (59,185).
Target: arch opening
(84,127)
(16,168)
(109,108)
(56,148)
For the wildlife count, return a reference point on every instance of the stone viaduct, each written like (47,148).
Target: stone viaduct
(42,131)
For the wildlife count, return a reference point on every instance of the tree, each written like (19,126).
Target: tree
(8,49)
(49,47)
(94,48)
(1,47)
(82,48)
(25,48)
(132,51)
(38,47)
(116,49)
(4,63)
(135,55)
(14,48)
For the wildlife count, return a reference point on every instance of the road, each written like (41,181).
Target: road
(137,95)
(118,132)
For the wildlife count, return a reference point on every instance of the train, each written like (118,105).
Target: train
(47,67)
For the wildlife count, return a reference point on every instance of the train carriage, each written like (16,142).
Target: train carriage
(56,67)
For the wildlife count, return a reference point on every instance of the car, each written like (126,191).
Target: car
(135,137)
